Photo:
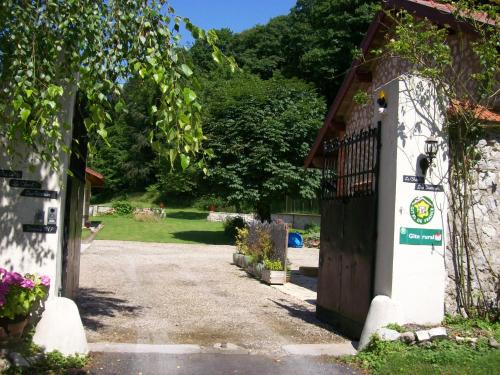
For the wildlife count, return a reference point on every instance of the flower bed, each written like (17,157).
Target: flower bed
(262,251)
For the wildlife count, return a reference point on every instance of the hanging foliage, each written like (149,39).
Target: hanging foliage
(50,47)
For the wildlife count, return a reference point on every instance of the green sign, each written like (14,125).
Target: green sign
(422,210)
(420,236)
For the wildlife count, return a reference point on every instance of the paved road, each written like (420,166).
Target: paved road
(208,364)
(189,294)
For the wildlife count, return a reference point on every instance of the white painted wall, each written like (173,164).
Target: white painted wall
(412,275)
(34,252)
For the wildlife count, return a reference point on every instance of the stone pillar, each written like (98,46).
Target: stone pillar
(412,214)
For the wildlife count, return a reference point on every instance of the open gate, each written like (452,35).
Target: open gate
(348,230)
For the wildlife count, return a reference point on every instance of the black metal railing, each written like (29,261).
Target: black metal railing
(350,166)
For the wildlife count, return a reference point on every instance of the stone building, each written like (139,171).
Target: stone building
(345,130)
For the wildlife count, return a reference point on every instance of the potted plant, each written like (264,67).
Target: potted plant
(241,246)
(273,272)
(257,270)
(18,295)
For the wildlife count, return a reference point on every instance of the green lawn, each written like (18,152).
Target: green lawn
(86,233)
(180,226)
(440,358)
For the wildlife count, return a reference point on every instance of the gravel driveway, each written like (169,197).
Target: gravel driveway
(188,294)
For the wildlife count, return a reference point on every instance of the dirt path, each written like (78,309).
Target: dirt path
(187,294)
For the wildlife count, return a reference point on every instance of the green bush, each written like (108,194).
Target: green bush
(311,228)
(123,208)
(232,224)
(204,203)
(273,265)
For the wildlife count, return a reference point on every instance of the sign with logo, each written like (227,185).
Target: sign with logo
(422,210)
(420,236)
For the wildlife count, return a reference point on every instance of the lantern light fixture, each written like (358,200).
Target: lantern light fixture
(431,149)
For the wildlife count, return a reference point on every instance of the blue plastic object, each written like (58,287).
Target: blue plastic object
(295,240)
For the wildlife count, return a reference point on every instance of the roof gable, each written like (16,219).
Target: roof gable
(438,13)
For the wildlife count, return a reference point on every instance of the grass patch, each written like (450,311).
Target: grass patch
(440,357)
(86,233)
(180,226)
(457,325)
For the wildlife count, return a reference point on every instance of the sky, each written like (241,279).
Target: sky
(237,15)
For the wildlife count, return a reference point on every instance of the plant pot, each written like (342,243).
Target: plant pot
(238,259)
(273,277)
(241,261)
(250,269)
(247,260)
(14,328)
(258,268)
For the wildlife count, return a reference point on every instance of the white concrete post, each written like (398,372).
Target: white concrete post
(412,214)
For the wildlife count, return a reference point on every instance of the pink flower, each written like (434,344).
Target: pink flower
(45,280)
(27,284)
(4,288)
(12,278)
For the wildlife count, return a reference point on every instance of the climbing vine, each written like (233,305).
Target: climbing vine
(50,48)
(427,48)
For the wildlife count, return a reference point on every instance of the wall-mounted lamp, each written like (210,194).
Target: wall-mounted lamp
(382,103)
(431,148)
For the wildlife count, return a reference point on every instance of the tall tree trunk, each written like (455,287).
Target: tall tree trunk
(264,211)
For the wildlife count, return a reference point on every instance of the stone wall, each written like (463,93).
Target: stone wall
(484,224)
(222,216)
(297,221)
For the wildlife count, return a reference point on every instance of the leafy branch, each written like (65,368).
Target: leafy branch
(51,48)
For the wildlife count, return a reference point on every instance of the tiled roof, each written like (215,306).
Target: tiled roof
(480,112)
(449,9)
(95,178)
(435,11)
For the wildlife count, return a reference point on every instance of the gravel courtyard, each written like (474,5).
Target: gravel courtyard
(133,292)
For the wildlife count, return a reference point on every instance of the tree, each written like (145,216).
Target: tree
(323,36)
(314,42)
(49,47)
(129,162)
(260,132)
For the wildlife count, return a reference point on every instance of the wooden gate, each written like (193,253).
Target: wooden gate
(348,230)
(73,208)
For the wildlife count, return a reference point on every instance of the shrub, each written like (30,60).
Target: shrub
(232,224)
(312,228)
(123,208)
(241,240)
(204,203)
(273,265)
(264,244)
(146,217)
